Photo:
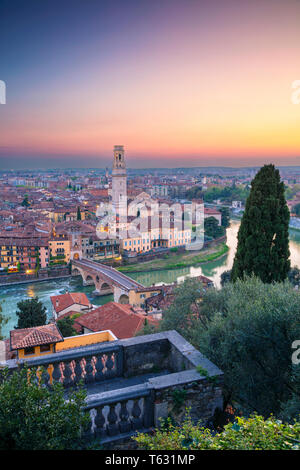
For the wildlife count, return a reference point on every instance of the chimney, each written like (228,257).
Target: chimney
(57,303)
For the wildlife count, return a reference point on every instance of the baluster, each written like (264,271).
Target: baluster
(99,368)
(67,375)
(89,378)
(56,374)
(112,418)
(124,424)
(100,422)
(109,365)
(136,415)
(77,371)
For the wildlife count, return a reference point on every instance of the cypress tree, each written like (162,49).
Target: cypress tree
(263,238)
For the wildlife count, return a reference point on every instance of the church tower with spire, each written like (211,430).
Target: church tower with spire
(119,181)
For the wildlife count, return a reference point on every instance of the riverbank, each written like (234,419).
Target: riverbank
(26,281)
(182,260)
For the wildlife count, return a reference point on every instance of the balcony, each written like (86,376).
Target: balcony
(132,383)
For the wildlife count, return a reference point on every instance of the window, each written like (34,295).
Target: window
(45,348)
(28,351)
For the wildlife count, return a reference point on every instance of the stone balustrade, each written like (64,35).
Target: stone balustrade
(132,383)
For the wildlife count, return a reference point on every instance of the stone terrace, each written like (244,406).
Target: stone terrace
(133,383)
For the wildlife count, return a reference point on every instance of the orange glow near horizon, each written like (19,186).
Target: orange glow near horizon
(181,93)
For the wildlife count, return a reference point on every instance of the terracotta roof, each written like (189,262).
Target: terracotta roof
(63,301)
(76,326)
(38,335)
(121,319)
(208,210)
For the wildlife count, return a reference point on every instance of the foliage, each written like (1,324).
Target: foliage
(246,329)
(212,228)
(290,192)
(184,312)
(225,277)
(25,201)
(194,193)
(31,313)
(251,327)
(66,326)
(178,397)
(173,262)
(294,276)
(226,194)
(263,238)
(78,213)
(3,321)
(252,433)
(148,329)
(225,216)
(35,418)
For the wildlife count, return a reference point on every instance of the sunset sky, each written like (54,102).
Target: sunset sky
(177,82)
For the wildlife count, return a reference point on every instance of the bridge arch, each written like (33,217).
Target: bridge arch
(105,285)
(124,299)
(88,280)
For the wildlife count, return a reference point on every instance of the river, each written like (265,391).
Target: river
(10,296)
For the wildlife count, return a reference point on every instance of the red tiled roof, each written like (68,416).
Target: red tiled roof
(207,210)
(76,326)
(63,301)
(38,335)
(120,319)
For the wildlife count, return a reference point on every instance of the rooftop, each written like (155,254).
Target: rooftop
(29,337)
(63,301)
(122,319)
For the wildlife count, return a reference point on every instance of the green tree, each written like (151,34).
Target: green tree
(294,276)
(3,321)
(254,433)
(25,201)
(212,228)
(35,418)
(147,329)
(249,335)
(31,313)
(184,313)
(78,213)
(247,329)
(225,216)
(291,408)
(66,327)
(194,193)
(225,277)
(263,238)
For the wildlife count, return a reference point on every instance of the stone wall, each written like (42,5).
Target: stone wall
(146,356)
(198,399)
(43,273)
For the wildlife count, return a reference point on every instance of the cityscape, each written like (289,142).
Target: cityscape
(149,232)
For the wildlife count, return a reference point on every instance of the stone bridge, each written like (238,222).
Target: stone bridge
(106,280)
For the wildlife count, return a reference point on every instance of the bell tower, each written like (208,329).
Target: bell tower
(119,180)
